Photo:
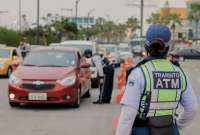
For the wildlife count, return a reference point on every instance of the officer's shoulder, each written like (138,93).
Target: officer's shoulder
(136,72)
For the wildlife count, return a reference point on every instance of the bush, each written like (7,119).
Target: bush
(9,37)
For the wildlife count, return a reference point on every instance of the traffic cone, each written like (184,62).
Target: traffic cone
(119,95)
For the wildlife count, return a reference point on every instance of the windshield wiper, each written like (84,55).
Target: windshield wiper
(30,65)
(51,66)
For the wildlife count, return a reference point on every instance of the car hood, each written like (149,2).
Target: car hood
(4,59)
(43,73)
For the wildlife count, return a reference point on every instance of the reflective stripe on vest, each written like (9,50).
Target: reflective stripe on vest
(164,85)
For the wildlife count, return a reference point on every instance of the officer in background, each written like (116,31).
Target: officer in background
(96,60)
(109,72)
(154,90)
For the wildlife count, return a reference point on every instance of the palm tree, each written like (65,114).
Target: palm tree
(194,15)
(154,18)
(174,21)
(132,24)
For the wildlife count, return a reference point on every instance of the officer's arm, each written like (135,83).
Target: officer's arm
(98,64)
(126,120)
(99,69)
(130,102)
(190,105)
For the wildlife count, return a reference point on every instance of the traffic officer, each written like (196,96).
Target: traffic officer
(154,90)
(96,60)
(109,71)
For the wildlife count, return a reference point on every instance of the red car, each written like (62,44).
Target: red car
(50,75)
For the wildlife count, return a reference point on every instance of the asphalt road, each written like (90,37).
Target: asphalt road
(89,119)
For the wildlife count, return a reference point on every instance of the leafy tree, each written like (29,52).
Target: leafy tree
(55,29)
(132,24)
(154,18)
(9,37)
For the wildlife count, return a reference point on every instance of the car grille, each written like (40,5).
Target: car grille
(38,87)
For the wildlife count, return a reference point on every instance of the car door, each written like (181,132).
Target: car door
(82,74)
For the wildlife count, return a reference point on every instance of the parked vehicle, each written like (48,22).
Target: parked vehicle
(36,46)
(188,54)
(124,51)
(50,75)
(7,56)
(112,52)
(137,46)
(80,44)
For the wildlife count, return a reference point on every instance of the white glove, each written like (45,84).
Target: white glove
(101,81)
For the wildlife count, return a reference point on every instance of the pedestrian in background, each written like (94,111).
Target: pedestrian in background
(24,47)
(154,90)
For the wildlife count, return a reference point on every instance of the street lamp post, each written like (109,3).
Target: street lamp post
(38,20)
(76,7)
(89,13)
(20,15)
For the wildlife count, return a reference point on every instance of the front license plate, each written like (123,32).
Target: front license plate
(37,96)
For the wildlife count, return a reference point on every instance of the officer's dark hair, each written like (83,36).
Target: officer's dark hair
(87,53)
(157,49)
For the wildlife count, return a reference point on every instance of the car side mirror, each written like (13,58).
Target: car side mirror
(85,65)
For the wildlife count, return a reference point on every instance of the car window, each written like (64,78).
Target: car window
(4,53)
(50,59)
(82,47)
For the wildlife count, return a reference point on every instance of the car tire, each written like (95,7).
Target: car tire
(78,99)
(13,104)
(9,72)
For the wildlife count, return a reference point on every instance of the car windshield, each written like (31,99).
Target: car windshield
(82,47)
(50,59)
(4,53)
(124,49)
(136,43)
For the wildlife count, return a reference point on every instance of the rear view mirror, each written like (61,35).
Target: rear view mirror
(86,65)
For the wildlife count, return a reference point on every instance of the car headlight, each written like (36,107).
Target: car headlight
(14,80)
(70,80)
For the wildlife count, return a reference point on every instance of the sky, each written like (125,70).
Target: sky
(116,10)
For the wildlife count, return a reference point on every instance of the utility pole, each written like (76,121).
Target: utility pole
(38,21)
(20,15)
(141,6)
(76,8)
